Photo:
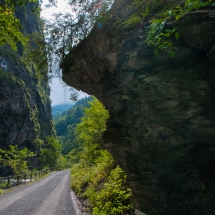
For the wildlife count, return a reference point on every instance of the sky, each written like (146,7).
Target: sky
(59,92)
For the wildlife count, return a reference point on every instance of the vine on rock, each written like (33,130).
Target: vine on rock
(159,36)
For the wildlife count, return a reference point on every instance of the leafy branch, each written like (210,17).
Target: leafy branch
(65,31)
(16,159)
(10,27)
(159,37)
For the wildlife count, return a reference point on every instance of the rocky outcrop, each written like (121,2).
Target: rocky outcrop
(162,109)
(25,107)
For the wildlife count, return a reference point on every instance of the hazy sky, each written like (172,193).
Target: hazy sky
(59,93)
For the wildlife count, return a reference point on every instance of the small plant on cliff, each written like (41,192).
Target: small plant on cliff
(137,18)
(141,14)
(34,56)
(159,36)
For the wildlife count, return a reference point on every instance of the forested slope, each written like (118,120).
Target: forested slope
(65,124)
(60,108)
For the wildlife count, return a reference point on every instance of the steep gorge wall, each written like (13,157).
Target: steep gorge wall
(25,107)
(162,109)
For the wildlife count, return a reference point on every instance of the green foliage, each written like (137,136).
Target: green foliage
(34,56)
(10,28)
(103,184)
(159,36)
(84,173)
(143,7)
(93,124)
(136,18)
(61,162)
(132,21)
(95,175)
(51,153)
(66,122)
(57,110)
(19,3)
(71,116)
(196,4)
(38,143)
(16,159)
(1,191)
(114,198)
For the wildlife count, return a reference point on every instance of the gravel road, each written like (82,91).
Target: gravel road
(49,196)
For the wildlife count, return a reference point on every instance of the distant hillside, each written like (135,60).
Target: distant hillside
(58,109)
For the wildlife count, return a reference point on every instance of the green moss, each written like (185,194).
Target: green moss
(9,77)
(12,79)
(38,142)
(34,56)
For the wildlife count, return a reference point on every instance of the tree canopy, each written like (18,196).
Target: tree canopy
(16,159)
(10,28)
(51,153)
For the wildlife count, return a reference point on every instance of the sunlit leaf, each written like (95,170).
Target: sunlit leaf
(177,35)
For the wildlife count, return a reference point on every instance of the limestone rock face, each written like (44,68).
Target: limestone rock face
(162,109)
(25,107)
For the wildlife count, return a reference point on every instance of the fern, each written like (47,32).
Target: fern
(132,21)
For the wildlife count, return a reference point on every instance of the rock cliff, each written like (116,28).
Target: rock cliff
(162,109)
(25,107)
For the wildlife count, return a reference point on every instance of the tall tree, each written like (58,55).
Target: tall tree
(66,30)
(89,131)
(51,153)
(16,159)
